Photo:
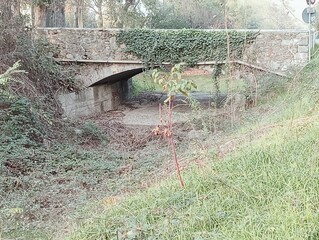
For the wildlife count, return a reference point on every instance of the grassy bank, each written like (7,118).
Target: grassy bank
(266,189)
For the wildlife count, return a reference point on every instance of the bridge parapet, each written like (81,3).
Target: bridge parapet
(86,44)
(276,50)
(279,50)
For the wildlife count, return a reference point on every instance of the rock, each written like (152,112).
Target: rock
(78,131)
(69,56)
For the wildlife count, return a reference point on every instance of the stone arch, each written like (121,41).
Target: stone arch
(117,77)
(100,94)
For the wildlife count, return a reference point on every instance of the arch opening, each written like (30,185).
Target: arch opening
(118,77)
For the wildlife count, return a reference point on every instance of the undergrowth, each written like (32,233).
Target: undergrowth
(30,81)
(40,152)
(266,189)
(268,193)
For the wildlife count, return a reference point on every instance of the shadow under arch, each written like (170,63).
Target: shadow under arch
(122,76)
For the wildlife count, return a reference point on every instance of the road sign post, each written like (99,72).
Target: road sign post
(308,16)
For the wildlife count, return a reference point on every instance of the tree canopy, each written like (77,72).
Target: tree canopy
(159,14)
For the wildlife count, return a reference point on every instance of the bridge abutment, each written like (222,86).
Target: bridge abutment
(127,89)
(92,100)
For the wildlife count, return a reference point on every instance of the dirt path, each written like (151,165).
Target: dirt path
(144,109)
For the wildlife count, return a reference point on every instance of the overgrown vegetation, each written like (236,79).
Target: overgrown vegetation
(262,192)
(264,187)
(29,109)
(204,82)
(144,83)
(50,167)
(189,46)
(31,128)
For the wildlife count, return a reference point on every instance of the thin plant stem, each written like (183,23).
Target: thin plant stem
(171,140)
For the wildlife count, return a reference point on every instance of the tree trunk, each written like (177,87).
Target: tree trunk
(16,8)
(80,14)
(100,13)
(5,11)
(75,22)
(55,14)
(39,15)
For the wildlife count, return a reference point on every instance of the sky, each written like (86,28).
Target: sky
(298,6)
(295,8)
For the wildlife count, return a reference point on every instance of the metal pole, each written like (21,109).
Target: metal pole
(309,41)
(309,44)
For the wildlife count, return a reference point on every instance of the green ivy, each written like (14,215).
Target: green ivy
(21,123)
(186,45)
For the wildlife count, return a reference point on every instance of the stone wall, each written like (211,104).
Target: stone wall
(276,50)
(91,100)
(279,50)
(85,44)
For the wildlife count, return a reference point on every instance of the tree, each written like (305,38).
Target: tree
(283,19)
(201,13)
(79,13)
(55,15)
(162,16)
(183,14)
(267,14)
(97,7)
(49,13)
(9,9)
(130,15)
(39,15)
(172,83)
(243,15)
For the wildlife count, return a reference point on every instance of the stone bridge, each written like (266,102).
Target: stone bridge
(104,66)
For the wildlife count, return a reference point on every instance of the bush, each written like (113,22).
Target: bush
(21,122)
(29,109)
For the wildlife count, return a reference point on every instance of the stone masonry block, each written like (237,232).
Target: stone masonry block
(303,42)
(303,49)
(275,65)
(301,57)
(69,56)
(286,42)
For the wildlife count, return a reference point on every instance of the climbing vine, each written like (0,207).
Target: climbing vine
(186,45)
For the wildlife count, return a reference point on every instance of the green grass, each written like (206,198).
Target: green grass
(267,189)
(143,83)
